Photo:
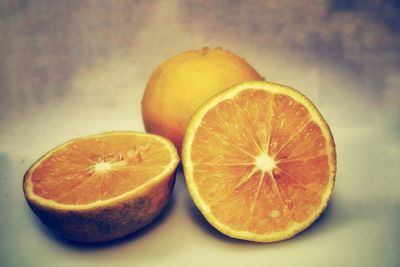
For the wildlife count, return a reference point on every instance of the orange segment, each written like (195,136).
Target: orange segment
(259,161)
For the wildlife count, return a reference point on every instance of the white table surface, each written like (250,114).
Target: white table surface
(48,98)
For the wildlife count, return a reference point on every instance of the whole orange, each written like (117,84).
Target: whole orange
(184,82)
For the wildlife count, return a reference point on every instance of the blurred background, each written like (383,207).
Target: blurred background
(71,68)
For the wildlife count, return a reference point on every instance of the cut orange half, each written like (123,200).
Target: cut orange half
(102,187)
(259,161)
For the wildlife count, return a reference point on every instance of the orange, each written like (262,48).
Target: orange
(183,82)
(259,161)
(102,187)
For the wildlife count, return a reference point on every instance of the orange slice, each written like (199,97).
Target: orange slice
(259,161)
(102,187)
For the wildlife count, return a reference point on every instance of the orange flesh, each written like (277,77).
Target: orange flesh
(98,168)
(259,162)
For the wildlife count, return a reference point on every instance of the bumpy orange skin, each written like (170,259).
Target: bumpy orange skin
(107,222)
(184,82)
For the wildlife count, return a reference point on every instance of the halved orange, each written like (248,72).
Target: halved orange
(102,187)
(259,161)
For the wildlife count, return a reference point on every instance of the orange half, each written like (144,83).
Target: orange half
(259,161)
(102,187)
